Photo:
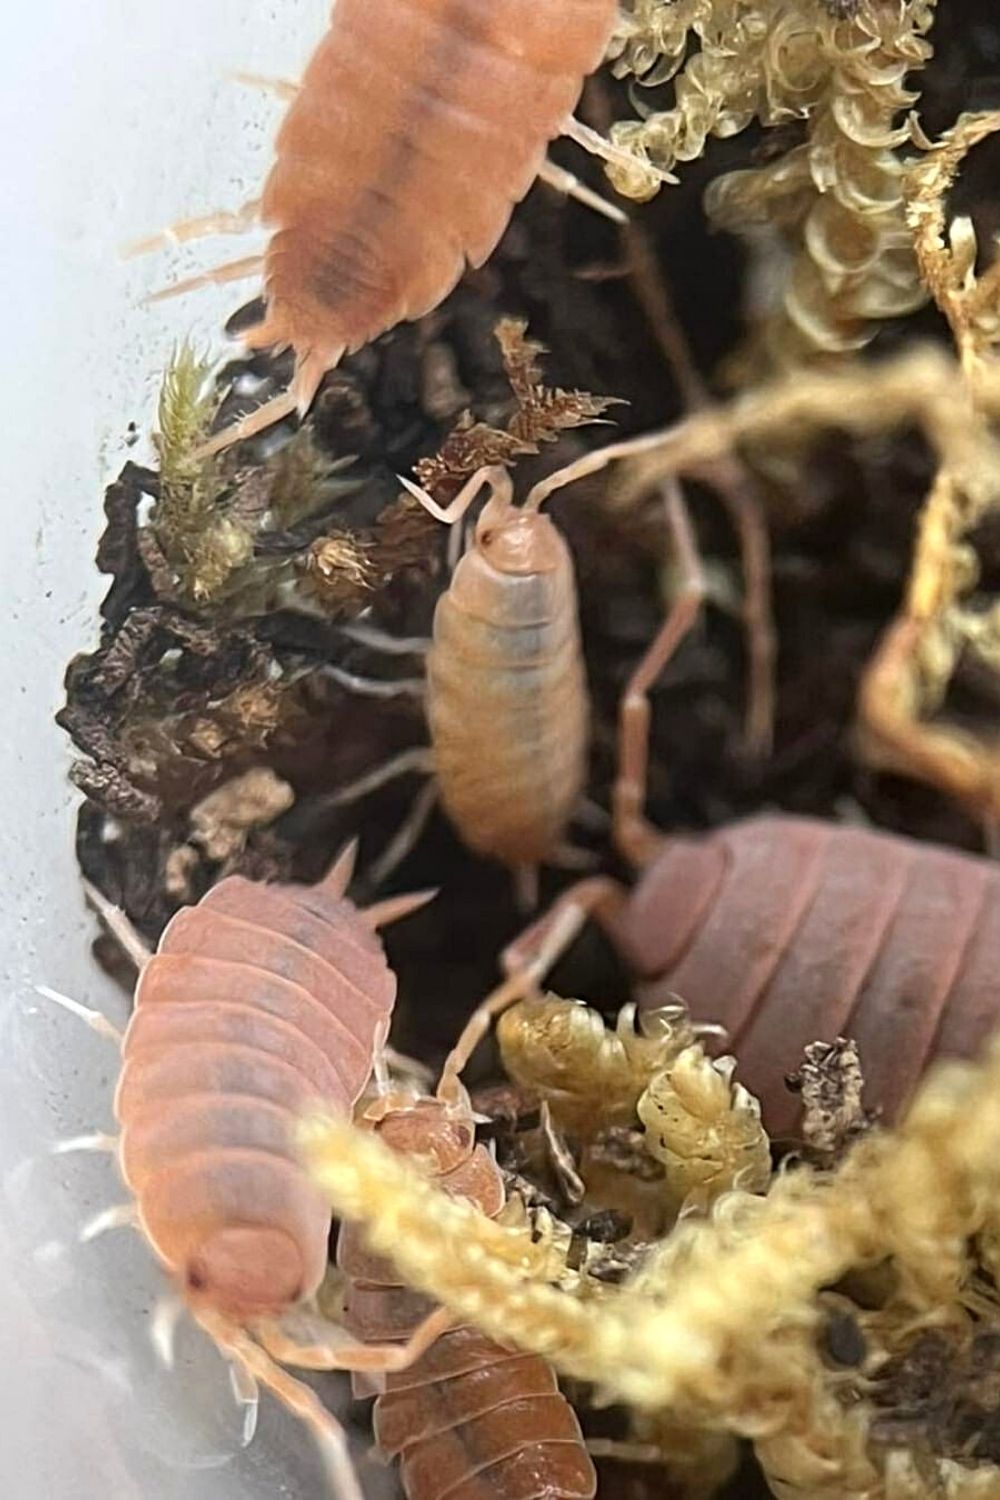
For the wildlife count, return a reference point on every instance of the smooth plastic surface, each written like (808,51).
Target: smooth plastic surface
(117,119)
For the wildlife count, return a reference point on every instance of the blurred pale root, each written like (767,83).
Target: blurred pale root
(956,406)
(921,386)
(940,622)
(372,221)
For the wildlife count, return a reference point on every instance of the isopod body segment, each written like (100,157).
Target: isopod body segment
(790,930)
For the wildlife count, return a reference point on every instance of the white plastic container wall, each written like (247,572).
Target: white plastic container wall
(118,120)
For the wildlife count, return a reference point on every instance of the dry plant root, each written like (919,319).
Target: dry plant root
(904,688)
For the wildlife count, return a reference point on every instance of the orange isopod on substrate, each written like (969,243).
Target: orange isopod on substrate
(417,127)
(507,699)
(468,1419)
(506,690)
(259,1001)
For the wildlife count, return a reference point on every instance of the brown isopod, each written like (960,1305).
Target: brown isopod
(259,1002)
(416,129)
(789,930)
(468,1418)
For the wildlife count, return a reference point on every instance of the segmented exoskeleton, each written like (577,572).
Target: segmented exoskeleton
(469,1419)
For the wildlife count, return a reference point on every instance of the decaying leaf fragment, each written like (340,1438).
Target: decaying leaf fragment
(221,821)
(542,414)
(591,1076)
(705,1128)
(831,1083)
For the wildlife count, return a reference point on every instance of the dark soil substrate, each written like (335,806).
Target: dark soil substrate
(158,693)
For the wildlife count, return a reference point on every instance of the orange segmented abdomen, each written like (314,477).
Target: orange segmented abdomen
(507,701)
(257,1003)
(469,1419)
(789,930)
(418,126)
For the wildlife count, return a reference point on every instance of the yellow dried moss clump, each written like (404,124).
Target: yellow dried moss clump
(827,214)
(590,1076)
(705,1128)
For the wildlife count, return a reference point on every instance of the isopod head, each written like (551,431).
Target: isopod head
(245,1271)
(516,540)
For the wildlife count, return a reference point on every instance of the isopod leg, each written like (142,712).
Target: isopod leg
(96,1140)
(564,182)
(419,759)
(275,410)
(407,835)
(119,1216)
(371,636)
(493,475)
(296,1398)
(634,837)
(598,145)
(234,270)
(247,1395)
(561,926)
(599,898)
(92,1018)
(375,687)
(231,221)
(353,1355)
(125,935)
(282,88)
